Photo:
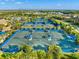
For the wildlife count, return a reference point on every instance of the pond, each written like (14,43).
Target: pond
(2,32)
(41,40)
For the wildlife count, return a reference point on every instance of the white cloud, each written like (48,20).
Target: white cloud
(7,0)
(2,3)
(12,0)
(18,2)
(59,5)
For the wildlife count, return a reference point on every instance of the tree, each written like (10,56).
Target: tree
(41,54)
(32,55)
(55,51)
(27,49)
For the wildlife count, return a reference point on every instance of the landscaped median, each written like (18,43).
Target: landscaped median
(70,29)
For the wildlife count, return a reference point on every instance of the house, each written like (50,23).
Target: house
(76,20)
(3,22)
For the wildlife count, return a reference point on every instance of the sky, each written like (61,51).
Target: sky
(39,4)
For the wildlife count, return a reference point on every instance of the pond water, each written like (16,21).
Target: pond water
(2,32)
(40,39)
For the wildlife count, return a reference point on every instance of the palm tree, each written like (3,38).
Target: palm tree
(55,51)
(41,54)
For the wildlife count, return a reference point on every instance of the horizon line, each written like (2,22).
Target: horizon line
(37,9)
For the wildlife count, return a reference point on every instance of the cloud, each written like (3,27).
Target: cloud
(2,3)
(12,0)
(59,5)
(9,0)
(18,2)
(6,0)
